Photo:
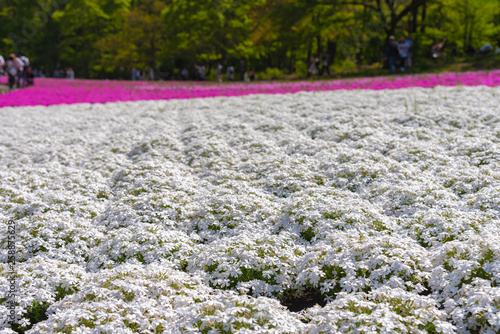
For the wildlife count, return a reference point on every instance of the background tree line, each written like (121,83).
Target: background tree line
(106,38)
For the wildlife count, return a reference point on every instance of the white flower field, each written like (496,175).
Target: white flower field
(316,212)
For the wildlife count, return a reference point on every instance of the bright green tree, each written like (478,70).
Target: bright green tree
(82,24)
(139,42)
(209,30)
(471,22)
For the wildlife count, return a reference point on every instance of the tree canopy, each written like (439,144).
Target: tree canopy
(106,38)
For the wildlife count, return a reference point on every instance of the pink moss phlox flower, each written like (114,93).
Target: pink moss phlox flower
(60,91)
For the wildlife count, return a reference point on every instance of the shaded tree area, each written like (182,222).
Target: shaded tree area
(106,38)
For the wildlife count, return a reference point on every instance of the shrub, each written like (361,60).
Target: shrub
(301,68)
(271,74)
(345,66)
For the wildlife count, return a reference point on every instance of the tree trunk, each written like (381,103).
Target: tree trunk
(471,28)
(308,61)
(359,57)
(424,12)
(415,21)
(318,44)
(394,22)
(332,50)
(465,35)
(309,52)
(153,53)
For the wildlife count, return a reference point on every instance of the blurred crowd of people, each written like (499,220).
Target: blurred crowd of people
(199,72)
(58,73)
(138,74)
(314,68)
(21,74)
(399,53)
(18,71)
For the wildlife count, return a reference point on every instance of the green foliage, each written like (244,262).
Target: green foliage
(139,43)
(465,22)
(36,313)
(81,24)
(308,234)
(300,68)
(271,73)
(209,30)
(106,38)
(344,66)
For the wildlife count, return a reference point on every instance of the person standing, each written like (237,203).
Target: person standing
(392,54)
(24,73)
(14,67)
(252,75)
(230,73)
(218,72)
(409,42)
(30,78)
(317,62)
(194,72)
(437,49)
(454,49)
(243,70)
(403,50)
(312,70)
(202,72)
(184,74)
(325,64)
(2,65)
(151,74)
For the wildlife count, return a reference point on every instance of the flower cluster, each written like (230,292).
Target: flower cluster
(385,310)
(56,91)
(208,215)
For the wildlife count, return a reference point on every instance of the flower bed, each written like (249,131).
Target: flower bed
(61,91)
(187,216)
